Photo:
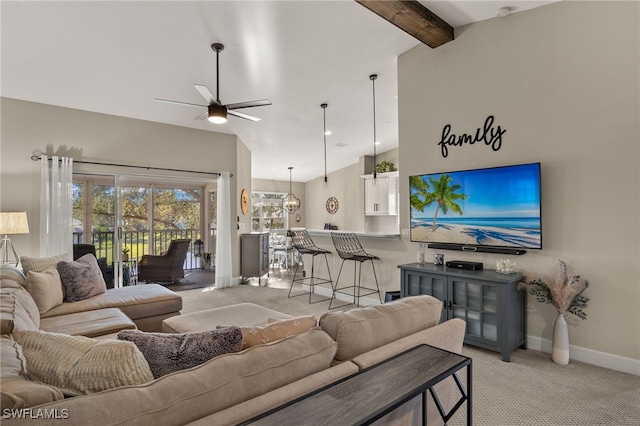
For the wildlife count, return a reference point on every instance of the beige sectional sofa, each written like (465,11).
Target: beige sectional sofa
(235,387)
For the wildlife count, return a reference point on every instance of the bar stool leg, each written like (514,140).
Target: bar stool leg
(293,280)
(376,279)
(333,295)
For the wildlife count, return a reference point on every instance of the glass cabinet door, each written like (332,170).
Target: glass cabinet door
(432,285)
(476,303)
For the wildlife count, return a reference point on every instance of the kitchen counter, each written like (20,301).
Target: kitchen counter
(327,232)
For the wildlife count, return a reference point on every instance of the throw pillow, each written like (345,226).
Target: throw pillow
(277,329)
(45,288)
(80,365)
(82,278)
(39,264)
(167,353)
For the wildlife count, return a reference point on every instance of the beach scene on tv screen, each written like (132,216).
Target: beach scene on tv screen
(489,207)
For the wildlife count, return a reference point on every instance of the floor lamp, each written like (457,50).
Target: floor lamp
(11,223)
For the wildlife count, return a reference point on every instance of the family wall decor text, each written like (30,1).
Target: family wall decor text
(490,135)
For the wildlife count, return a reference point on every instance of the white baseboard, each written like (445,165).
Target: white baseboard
(590,356)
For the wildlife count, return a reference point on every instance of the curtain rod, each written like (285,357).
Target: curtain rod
(37,153)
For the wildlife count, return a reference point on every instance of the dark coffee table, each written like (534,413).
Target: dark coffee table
(367,396)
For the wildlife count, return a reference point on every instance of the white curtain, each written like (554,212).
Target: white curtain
(224,275)
(56,214)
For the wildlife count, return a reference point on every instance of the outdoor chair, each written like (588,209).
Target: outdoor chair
(167,267)
(303,244)
(349,248)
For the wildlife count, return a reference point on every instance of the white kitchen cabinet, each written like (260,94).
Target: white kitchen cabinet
(381,194)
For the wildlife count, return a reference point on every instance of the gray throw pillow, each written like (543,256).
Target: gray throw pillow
(81,279)
(167,353)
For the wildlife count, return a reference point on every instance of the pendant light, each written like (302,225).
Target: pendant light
(324,134)
(373,77)
(290,203)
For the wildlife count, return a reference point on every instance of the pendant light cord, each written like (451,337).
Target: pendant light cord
(373,81)
(290,169)
(324,133)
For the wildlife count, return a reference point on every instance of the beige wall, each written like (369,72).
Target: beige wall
(298,188)
(563,81)
(98,137)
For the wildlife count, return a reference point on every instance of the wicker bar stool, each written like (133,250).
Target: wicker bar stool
(303,243)
(348,247)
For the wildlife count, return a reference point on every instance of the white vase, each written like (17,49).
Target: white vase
(560,352)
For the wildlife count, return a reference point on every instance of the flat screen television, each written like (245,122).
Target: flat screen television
(478,210)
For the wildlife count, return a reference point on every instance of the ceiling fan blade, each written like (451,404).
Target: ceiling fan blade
(249,104)
(202,116)
(241,115)
(179,103)
(206,93)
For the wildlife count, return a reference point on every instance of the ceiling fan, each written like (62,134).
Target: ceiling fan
(216,110)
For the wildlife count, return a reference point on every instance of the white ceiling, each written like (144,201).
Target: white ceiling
(115,57)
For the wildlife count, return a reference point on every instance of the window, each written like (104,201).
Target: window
(267,213)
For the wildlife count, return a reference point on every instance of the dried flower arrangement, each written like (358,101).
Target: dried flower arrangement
(563,290)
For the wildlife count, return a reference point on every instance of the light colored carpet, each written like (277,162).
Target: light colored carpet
(530,390)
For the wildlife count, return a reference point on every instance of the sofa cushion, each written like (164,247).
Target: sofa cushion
(17,308)
(21,392)
(82,278)
(277,329)
(94,323)
(17,390)
(46,288)
(137,301)
(80,365)
(12,273)
(363,329)
(167,353)
(39,264)
(13,362)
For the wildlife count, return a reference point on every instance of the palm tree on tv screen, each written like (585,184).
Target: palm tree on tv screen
(443,192)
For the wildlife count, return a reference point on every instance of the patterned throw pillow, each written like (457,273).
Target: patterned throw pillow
(81,279)
(277,329)
(80,365)
(45,288)
(167,353)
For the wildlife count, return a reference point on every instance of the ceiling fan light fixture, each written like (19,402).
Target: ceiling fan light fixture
(217,114)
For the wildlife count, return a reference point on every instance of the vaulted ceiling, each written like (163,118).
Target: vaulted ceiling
(115,57)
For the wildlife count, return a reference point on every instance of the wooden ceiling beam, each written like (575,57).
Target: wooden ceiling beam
(413,18)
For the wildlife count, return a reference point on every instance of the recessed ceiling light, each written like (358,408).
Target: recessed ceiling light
(377,142)
(328,132)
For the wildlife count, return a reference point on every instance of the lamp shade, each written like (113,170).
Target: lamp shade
(13,223)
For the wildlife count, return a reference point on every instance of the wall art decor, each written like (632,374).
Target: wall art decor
(332,205)
(488,134)
(244,201)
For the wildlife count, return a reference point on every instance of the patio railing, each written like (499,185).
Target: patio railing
(138,243)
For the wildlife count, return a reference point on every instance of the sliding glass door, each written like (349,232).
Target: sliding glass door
(95,221)
(125,217)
